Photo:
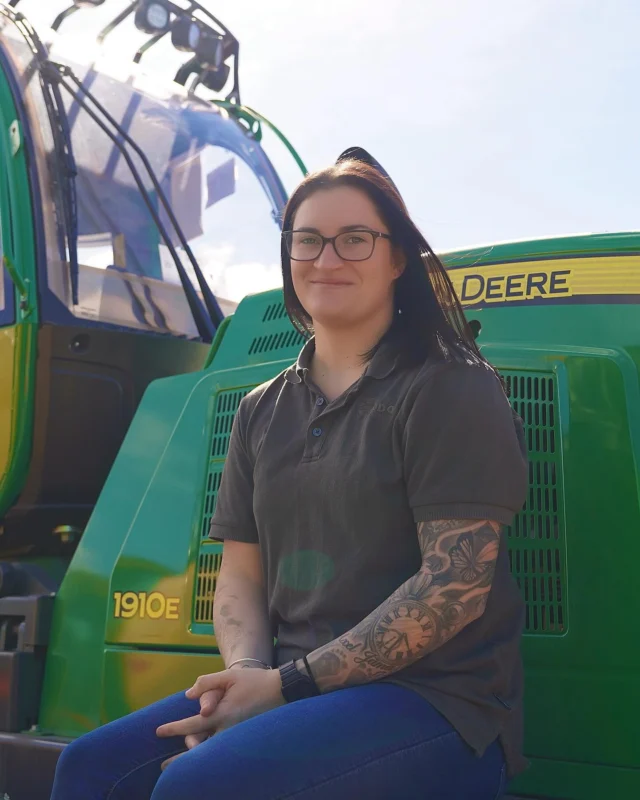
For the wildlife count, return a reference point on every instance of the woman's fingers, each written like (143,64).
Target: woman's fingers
(191,741)
(215,680)
(194,739)
(166,763)
(209,701)
(185,727)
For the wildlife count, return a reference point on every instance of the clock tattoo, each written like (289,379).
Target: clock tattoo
(449,591)
(404,631)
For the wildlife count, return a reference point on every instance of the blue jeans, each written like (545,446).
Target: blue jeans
(378,741)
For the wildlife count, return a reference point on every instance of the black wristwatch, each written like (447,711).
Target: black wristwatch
(295,684)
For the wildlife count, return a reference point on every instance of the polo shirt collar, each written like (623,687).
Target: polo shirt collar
(297,372)
(381,365)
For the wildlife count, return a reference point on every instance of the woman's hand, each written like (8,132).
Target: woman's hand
(190,742)
(232,696)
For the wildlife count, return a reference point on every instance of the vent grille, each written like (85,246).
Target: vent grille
(538,572)
(213,484)
(225,410)
(537,536)
(225,407)
(208,570)
(274,311)
(536,539)
(282,340)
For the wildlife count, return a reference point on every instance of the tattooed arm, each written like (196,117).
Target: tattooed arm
(448,592)
(240,615)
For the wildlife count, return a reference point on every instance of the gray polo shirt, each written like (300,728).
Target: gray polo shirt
(332,493)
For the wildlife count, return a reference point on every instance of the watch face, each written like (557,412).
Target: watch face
(405,631)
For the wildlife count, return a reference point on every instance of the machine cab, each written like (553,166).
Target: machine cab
(134,215)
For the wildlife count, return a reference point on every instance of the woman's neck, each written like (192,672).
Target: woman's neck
(337,362)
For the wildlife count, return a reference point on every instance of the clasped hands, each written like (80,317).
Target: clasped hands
(226,698)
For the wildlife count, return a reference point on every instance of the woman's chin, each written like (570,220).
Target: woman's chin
(332,317)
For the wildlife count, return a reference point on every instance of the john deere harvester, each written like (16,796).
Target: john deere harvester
(106,604)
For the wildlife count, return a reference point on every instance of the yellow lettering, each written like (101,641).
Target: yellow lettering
(153,606)
(130,604)
(156,605)
(173,608)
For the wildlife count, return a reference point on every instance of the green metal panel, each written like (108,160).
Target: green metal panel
(146,530)
(138,677)
(75,678)
(17,370)
(560,246)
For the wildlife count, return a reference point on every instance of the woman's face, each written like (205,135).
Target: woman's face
(333,290)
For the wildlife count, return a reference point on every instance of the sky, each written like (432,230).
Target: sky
(497,119)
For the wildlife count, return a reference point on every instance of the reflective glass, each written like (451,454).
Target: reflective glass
(221,186)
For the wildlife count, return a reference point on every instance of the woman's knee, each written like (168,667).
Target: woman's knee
(80,752)
(200,769)
(176,782)
(77,761)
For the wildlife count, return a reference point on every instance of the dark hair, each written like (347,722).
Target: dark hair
(428,314)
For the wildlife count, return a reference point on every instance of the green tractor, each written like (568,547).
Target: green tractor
(125,204)
(108,579)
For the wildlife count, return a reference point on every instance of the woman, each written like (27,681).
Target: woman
(362,508)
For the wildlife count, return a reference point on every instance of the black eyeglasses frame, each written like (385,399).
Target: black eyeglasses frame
(286,235)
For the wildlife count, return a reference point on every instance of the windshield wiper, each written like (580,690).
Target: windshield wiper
(63,166)
(62,163)
(214,316)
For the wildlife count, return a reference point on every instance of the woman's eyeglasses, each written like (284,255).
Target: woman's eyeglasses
(355,245)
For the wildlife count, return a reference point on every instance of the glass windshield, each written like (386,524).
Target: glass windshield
(220,184)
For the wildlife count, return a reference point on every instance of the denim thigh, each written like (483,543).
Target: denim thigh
(122,759)
(379,741)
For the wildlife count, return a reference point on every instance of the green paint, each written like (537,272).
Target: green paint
(252,119)
(17,369)
(564,246)
(215,345)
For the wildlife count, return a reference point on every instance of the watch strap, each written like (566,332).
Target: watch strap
(295,684)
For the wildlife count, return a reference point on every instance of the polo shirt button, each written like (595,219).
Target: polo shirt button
(320,401)
(317,431)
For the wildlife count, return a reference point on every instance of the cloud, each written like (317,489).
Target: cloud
(232,279)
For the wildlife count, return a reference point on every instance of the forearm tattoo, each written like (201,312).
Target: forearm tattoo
(448,592)
(229,629)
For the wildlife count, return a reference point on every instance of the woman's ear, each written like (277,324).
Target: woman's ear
(399,261)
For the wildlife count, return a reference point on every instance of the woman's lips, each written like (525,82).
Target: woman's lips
(331,283)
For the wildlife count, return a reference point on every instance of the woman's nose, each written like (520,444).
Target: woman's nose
(328,258)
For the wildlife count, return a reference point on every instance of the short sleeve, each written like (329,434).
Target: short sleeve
(233,516)
(464,450)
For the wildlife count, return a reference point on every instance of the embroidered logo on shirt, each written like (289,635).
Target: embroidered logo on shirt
(369,406)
